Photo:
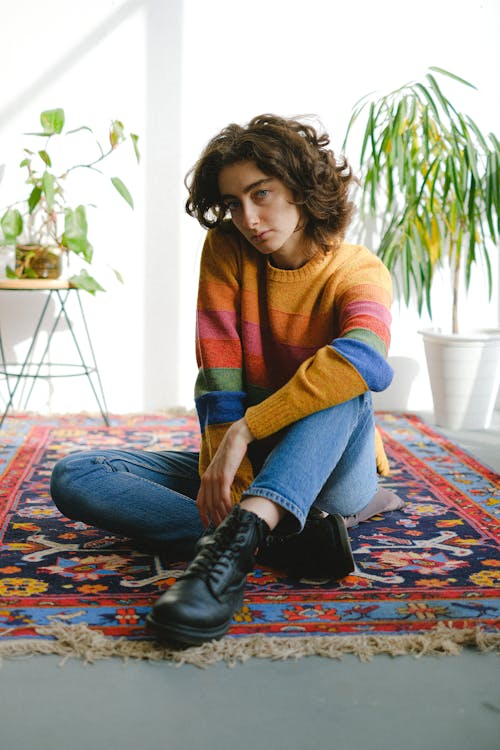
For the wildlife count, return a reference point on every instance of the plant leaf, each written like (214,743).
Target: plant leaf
(45,157)
(135,143)
(10,273)
(34,198)
(452,75)
(52,121)
(75,231)
(475,129)
(428,97)
(488,199)
(444,102)
(48,184)
(367,133)
(85,281)
(123,190)
(116,133)
(12,224)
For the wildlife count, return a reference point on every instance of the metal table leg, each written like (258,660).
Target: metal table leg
(84,368)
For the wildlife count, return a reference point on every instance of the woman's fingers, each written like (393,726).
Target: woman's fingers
(214,498)
(202,509)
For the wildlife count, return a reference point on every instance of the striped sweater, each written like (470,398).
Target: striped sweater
(276,345)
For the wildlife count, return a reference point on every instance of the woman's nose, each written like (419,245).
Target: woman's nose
(250,216)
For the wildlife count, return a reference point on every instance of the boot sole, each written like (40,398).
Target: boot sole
(189,635)
(185,635)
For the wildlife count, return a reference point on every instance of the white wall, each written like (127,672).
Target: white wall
(176,72)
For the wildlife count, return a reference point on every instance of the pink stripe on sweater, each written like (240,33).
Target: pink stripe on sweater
(252,338)
(366,307)
(217,324)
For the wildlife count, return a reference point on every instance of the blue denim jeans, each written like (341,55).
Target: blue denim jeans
(326,459)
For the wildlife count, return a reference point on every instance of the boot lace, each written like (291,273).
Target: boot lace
(234,541)
(215,552)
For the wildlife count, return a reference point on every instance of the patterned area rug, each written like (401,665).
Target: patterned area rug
(426,578)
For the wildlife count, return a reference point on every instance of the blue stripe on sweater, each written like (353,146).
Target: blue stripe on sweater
(373,368)
(219,407)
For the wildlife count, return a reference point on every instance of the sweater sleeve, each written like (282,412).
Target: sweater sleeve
(220,396)
(353,363)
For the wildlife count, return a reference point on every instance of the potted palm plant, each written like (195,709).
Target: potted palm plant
(431,183)
(43,226)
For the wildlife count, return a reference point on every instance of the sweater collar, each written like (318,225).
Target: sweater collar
(297,274)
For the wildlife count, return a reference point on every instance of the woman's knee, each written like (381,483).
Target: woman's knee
(69,482)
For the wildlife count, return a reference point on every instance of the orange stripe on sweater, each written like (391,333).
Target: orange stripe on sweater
(216,296)
(371,292)
(370,324)
(220,353)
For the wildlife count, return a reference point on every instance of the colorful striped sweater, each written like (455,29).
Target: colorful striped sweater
(275,345)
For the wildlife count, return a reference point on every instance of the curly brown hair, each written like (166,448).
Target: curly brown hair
(293,152)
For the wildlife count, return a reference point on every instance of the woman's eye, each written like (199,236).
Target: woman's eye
(231,205)
(262,194)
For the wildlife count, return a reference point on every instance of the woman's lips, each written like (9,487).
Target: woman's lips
(261,236)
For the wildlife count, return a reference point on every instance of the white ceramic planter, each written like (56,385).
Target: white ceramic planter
(464,372)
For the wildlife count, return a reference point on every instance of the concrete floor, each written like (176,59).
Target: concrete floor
(402,703)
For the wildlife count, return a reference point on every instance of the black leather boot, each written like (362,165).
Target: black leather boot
(321,550)
(200,605)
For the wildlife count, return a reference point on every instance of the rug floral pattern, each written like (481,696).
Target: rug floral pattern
(434,561)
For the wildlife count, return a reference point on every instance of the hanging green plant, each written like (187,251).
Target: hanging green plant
(43,227)
(431,180)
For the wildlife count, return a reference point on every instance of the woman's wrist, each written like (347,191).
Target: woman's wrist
(242,430)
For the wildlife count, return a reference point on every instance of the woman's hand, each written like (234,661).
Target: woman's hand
(214,497)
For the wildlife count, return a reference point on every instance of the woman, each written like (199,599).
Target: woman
(292,336)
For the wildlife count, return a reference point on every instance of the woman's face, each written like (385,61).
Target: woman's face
(262,209)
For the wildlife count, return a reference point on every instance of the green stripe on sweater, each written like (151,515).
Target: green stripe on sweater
(367,337)
(218,379)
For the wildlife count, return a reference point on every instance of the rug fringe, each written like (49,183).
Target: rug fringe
(80,641)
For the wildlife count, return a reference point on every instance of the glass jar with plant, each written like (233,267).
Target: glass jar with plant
(43,226)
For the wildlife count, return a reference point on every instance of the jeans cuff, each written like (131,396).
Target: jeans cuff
(291,526)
